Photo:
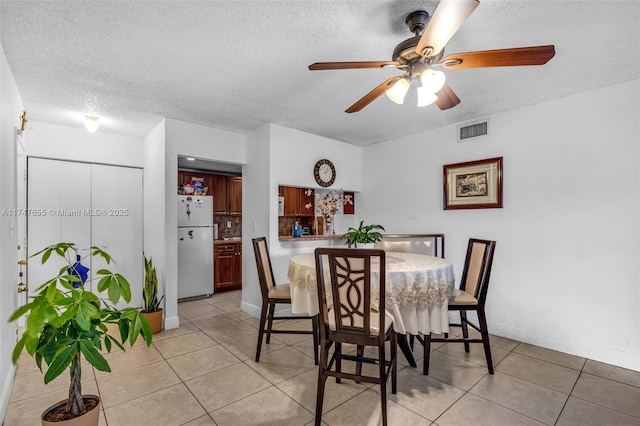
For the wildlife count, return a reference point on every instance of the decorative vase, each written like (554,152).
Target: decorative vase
(90,418)
(328,225)
(155,320)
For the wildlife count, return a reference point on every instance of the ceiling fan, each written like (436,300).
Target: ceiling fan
(418,55)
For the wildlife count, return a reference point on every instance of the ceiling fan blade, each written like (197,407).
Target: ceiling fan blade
(373,95)
(445,22)
(319,66)
(534,55)
(446,98)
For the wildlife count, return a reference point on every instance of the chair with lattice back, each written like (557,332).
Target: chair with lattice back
(273,294)
(349,315)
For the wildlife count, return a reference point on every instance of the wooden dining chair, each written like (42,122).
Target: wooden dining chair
(348,316)
(472,297)
(272,295)
(429,244)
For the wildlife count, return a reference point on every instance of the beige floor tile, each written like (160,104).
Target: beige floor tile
(455,371)
(292,339)
(268,407)
(222,387)
(240,314)
(216,321)
(556,357)
(612,372)
(202,421)
(471,410)
(277,366)
(231,332)
(183,344)
(303,389)
(32,383)
(120,387)
(615,395)
(475,354)
(197,309)
(245,347)
(253,322)
(174,405)
(203,361)
(529,399)
(186,327)
(503,342)
(365,409)
(544,373)
(578,412)
(225,304)
(131,358)
(423,395)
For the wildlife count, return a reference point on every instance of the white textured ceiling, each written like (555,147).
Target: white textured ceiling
(237,65)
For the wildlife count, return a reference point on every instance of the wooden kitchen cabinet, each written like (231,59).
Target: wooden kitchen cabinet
(298,202)
(227,267)
(227,195)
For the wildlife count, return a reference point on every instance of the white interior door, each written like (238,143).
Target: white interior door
(117,223)
(90,205)
(59,192)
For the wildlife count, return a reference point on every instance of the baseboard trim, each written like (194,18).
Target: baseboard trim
(597,353)
(171,323)
(5,396)
(255,311)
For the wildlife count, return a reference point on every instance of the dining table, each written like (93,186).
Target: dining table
(417,292)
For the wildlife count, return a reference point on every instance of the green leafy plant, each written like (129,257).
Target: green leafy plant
(150,288)
(66,321)
(363,234)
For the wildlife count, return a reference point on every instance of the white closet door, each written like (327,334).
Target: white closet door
(57,193)
(117,223)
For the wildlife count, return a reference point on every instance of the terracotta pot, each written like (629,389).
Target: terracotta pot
(155,320)
(90,418)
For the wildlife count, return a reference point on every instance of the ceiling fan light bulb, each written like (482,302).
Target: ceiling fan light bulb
(398,91)
(432,80)
(425,97)
(91,123)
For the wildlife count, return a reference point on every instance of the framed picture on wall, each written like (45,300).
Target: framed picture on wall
(473,184)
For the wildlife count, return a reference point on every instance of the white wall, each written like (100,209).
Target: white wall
(154,202)
(282,156)
(10,110)
(566,269)
(201,142)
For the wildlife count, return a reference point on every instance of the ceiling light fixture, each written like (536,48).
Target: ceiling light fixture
(190,159)
(91,123)
(430,83)
(399,90)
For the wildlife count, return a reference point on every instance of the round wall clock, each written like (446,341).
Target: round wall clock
(324,172)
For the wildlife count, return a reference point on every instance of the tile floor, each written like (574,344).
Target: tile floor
(203,374)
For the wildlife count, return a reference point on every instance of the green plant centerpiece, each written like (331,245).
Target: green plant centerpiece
(151,308)
(363,234)
(66,321)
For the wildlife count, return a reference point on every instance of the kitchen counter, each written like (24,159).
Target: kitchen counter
(309,237)
(228,241)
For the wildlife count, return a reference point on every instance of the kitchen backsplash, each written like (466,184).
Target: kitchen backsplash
(223,231)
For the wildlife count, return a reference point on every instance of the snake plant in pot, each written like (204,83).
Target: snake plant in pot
(66,321)
(364,235)
(151,309)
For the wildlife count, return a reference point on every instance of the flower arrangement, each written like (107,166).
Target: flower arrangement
(329,203)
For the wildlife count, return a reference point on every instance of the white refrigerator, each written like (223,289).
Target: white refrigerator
(195,246)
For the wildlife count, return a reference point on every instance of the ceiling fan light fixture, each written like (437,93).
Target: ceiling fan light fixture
(431,80)
(426,97)
(91,123)
(399,90)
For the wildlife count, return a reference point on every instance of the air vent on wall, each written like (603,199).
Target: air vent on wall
(473,130)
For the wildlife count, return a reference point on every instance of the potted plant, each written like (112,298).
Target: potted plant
(66,321)
(365,235)
(151,309)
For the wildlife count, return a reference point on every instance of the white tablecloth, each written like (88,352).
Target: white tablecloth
(418,288)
